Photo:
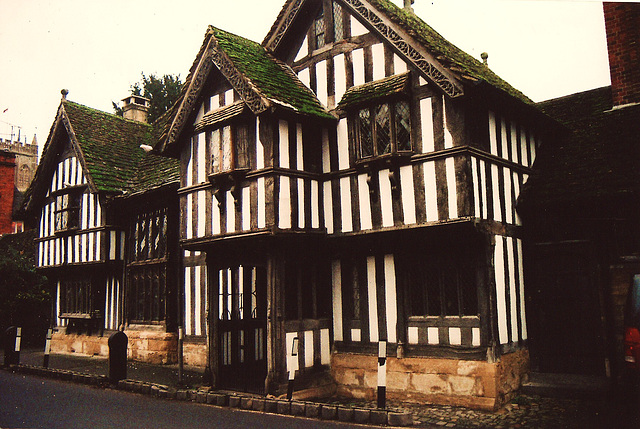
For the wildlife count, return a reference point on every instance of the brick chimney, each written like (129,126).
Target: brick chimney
(135,108)
(622,22)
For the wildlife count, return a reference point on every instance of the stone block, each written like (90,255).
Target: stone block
(430,383)
(400,419)
(462,385)
(378,417)
(234,401)
(211,398)
(271,406)
(192,395)
(328,412)
(181,395)
(258,404)
(201,397)
(222,400)
(297,408)
(284,407)
(361,415)
(397,380)
(246,403)
(312,410)
(345,414)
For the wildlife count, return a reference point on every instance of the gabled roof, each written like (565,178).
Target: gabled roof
(108,148)
(599,158)
(260,79)
(439,60)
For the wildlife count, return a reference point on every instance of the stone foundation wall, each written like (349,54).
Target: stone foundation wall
(89,345)
(152,347)
(144,346)
(195,353)
(475,384)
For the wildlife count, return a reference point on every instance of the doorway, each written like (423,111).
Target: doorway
(242,328)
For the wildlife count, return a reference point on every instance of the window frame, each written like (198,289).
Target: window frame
(69,209)
(393,123)
(147,267)
(237,161)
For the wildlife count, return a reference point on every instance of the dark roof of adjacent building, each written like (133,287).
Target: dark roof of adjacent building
(598,158)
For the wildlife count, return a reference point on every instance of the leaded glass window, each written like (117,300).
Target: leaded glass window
(67,210)
(319,30)
(383,129)
(338,24)
(230,147)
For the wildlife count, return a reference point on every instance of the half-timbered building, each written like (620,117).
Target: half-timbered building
(107,216)
(351,182)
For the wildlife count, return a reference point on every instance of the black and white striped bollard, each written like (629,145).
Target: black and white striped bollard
(292,367)
(382,373)
(47,348)
(17,349)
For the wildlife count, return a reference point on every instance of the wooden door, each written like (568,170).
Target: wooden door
(242,328)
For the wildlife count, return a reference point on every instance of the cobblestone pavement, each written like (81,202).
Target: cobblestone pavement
(612,410)
(526,411)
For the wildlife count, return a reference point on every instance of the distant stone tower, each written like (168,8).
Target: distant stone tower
(26,161)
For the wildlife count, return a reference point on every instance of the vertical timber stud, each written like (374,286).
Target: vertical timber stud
(292,365)
(382,373)
(47,348)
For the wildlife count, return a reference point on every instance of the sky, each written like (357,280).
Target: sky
(98,49)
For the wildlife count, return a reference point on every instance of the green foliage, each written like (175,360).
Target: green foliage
(25,301)
(162,92)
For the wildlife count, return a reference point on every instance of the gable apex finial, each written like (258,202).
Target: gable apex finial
(64,93)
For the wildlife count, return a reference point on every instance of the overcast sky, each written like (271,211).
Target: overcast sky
(97,49)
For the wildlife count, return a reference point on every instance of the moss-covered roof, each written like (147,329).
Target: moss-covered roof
(374,90)
(455,60)
(449,55)
(111,149)
(268,78)
(271,77)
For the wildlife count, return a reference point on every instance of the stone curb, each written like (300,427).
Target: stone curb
(245,402)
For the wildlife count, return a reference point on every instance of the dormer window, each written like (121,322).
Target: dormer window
(379,115)
(383,129)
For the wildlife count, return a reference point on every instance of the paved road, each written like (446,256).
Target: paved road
(32,402)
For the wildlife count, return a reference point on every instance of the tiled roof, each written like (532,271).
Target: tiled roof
(111,149)
(599,158)
(269,78)
(455,60)
(374,90)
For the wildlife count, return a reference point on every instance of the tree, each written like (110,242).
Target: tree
(25,298)
(161,92)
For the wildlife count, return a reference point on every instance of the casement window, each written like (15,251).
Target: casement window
(230,146)
(442,283)
(67,209)
(321,25)
(147,267)
(319,30)
(383,129)
(76,298)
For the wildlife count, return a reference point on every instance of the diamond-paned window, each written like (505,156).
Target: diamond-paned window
(383,129)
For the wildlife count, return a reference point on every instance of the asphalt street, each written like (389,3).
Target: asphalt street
(33,402)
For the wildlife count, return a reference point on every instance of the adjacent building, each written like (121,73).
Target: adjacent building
(581,216)
(16,182)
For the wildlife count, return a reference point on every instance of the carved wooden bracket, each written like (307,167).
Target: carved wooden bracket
(228,180)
